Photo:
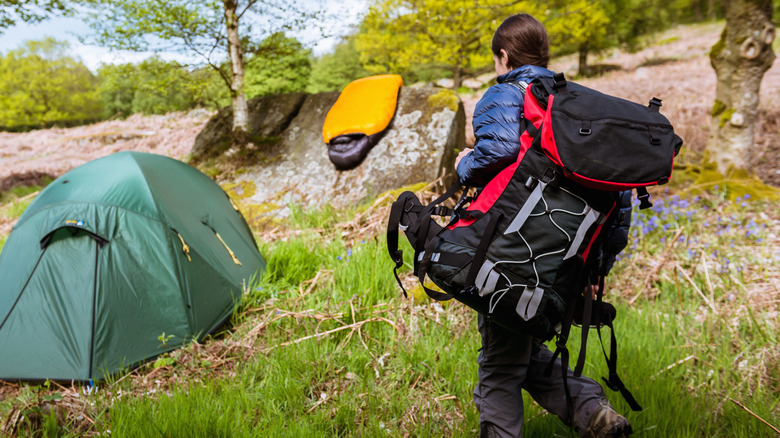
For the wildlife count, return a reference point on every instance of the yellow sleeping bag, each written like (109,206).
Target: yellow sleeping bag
(356,121)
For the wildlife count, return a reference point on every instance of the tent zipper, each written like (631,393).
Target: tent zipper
(235,260)
(184,247)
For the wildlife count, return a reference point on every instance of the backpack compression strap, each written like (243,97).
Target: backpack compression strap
(613,381)
(420,228)
(396,211)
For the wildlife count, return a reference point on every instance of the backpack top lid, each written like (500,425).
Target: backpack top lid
(365,106)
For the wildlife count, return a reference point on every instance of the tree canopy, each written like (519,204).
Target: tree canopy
(279,64)
(155,86)
(333,71)
(42,85)
(453,35)
(28,11)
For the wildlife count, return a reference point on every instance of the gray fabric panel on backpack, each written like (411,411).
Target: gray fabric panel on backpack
(591,217)
(487,278)
(529,302)
(524,212)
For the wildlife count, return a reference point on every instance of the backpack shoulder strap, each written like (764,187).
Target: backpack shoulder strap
(520,85)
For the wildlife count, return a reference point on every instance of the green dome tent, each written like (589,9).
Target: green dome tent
(112,255)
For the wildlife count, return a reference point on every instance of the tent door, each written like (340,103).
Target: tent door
(59,297)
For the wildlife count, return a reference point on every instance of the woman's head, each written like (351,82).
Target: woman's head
(523,41)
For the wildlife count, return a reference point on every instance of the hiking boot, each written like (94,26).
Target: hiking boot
(606,423)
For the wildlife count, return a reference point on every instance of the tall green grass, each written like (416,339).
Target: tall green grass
(337,351)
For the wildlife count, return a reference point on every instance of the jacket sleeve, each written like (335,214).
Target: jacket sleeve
(616,237)
(496,123)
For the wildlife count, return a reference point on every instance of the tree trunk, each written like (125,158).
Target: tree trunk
(740,59)
(583,69)
(697,15)
(240,109)
(457,73)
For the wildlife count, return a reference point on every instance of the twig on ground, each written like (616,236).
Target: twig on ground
(23,198)
(696,288)
(710,289)
(354,326)
(317,404)
(679,362)
(777,431)
(661,263)
(441,398)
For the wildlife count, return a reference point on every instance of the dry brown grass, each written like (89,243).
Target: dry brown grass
(28,156)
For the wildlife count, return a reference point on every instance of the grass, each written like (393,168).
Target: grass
(14,201)
(325,345)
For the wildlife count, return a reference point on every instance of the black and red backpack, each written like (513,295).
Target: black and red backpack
(525,252)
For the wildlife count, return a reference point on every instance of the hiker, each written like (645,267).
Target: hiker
(510,362)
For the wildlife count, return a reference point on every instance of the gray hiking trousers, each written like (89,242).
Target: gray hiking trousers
(509,363)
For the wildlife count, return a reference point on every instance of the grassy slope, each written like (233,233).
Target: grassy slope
(325,345)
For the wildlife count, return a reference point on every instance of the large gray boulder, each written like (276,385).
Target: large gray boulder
(269,116)
(418,146)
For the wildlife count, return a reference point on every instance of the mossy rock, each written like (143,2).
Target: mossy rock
(737,184)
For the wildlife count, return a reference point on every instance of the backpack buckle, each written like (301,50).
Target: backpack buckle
(585,130)
(441,210)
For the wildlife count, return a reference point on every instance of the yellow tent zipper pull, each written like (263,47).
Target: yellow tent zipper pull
(235,260)
(184,247)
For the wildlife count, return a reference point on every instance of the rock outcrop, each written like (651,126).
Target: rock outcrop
(293,169)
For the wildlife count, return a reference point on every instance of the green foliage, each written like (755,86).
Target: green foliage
(401,36)
(577,26)
(154,86)
(27,11)
(197,29)
(41,85)
(333,71)
(280,64)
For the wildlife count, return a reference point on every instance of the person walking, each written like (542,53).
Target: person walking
(509,362)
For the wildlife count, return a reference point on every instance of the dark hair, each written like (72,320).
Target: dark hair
(525,40)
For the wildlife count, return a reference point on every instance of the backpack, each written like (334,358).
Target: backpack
(526,247)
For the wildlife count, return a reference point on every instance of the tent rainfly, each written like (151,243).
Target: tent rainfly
(111,257)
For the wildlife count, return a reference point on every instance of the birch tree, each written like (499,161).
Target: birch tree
(216,32)
(740,58)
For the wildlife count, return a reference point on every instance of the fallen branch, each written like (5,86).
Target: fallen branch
(354,326)
(777,431)
(661,263)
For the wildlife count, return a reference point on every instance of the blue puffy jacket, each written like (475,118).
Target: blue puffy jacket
(496,123)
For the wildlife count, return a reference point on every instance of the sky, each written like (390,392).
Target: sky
(69,29)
